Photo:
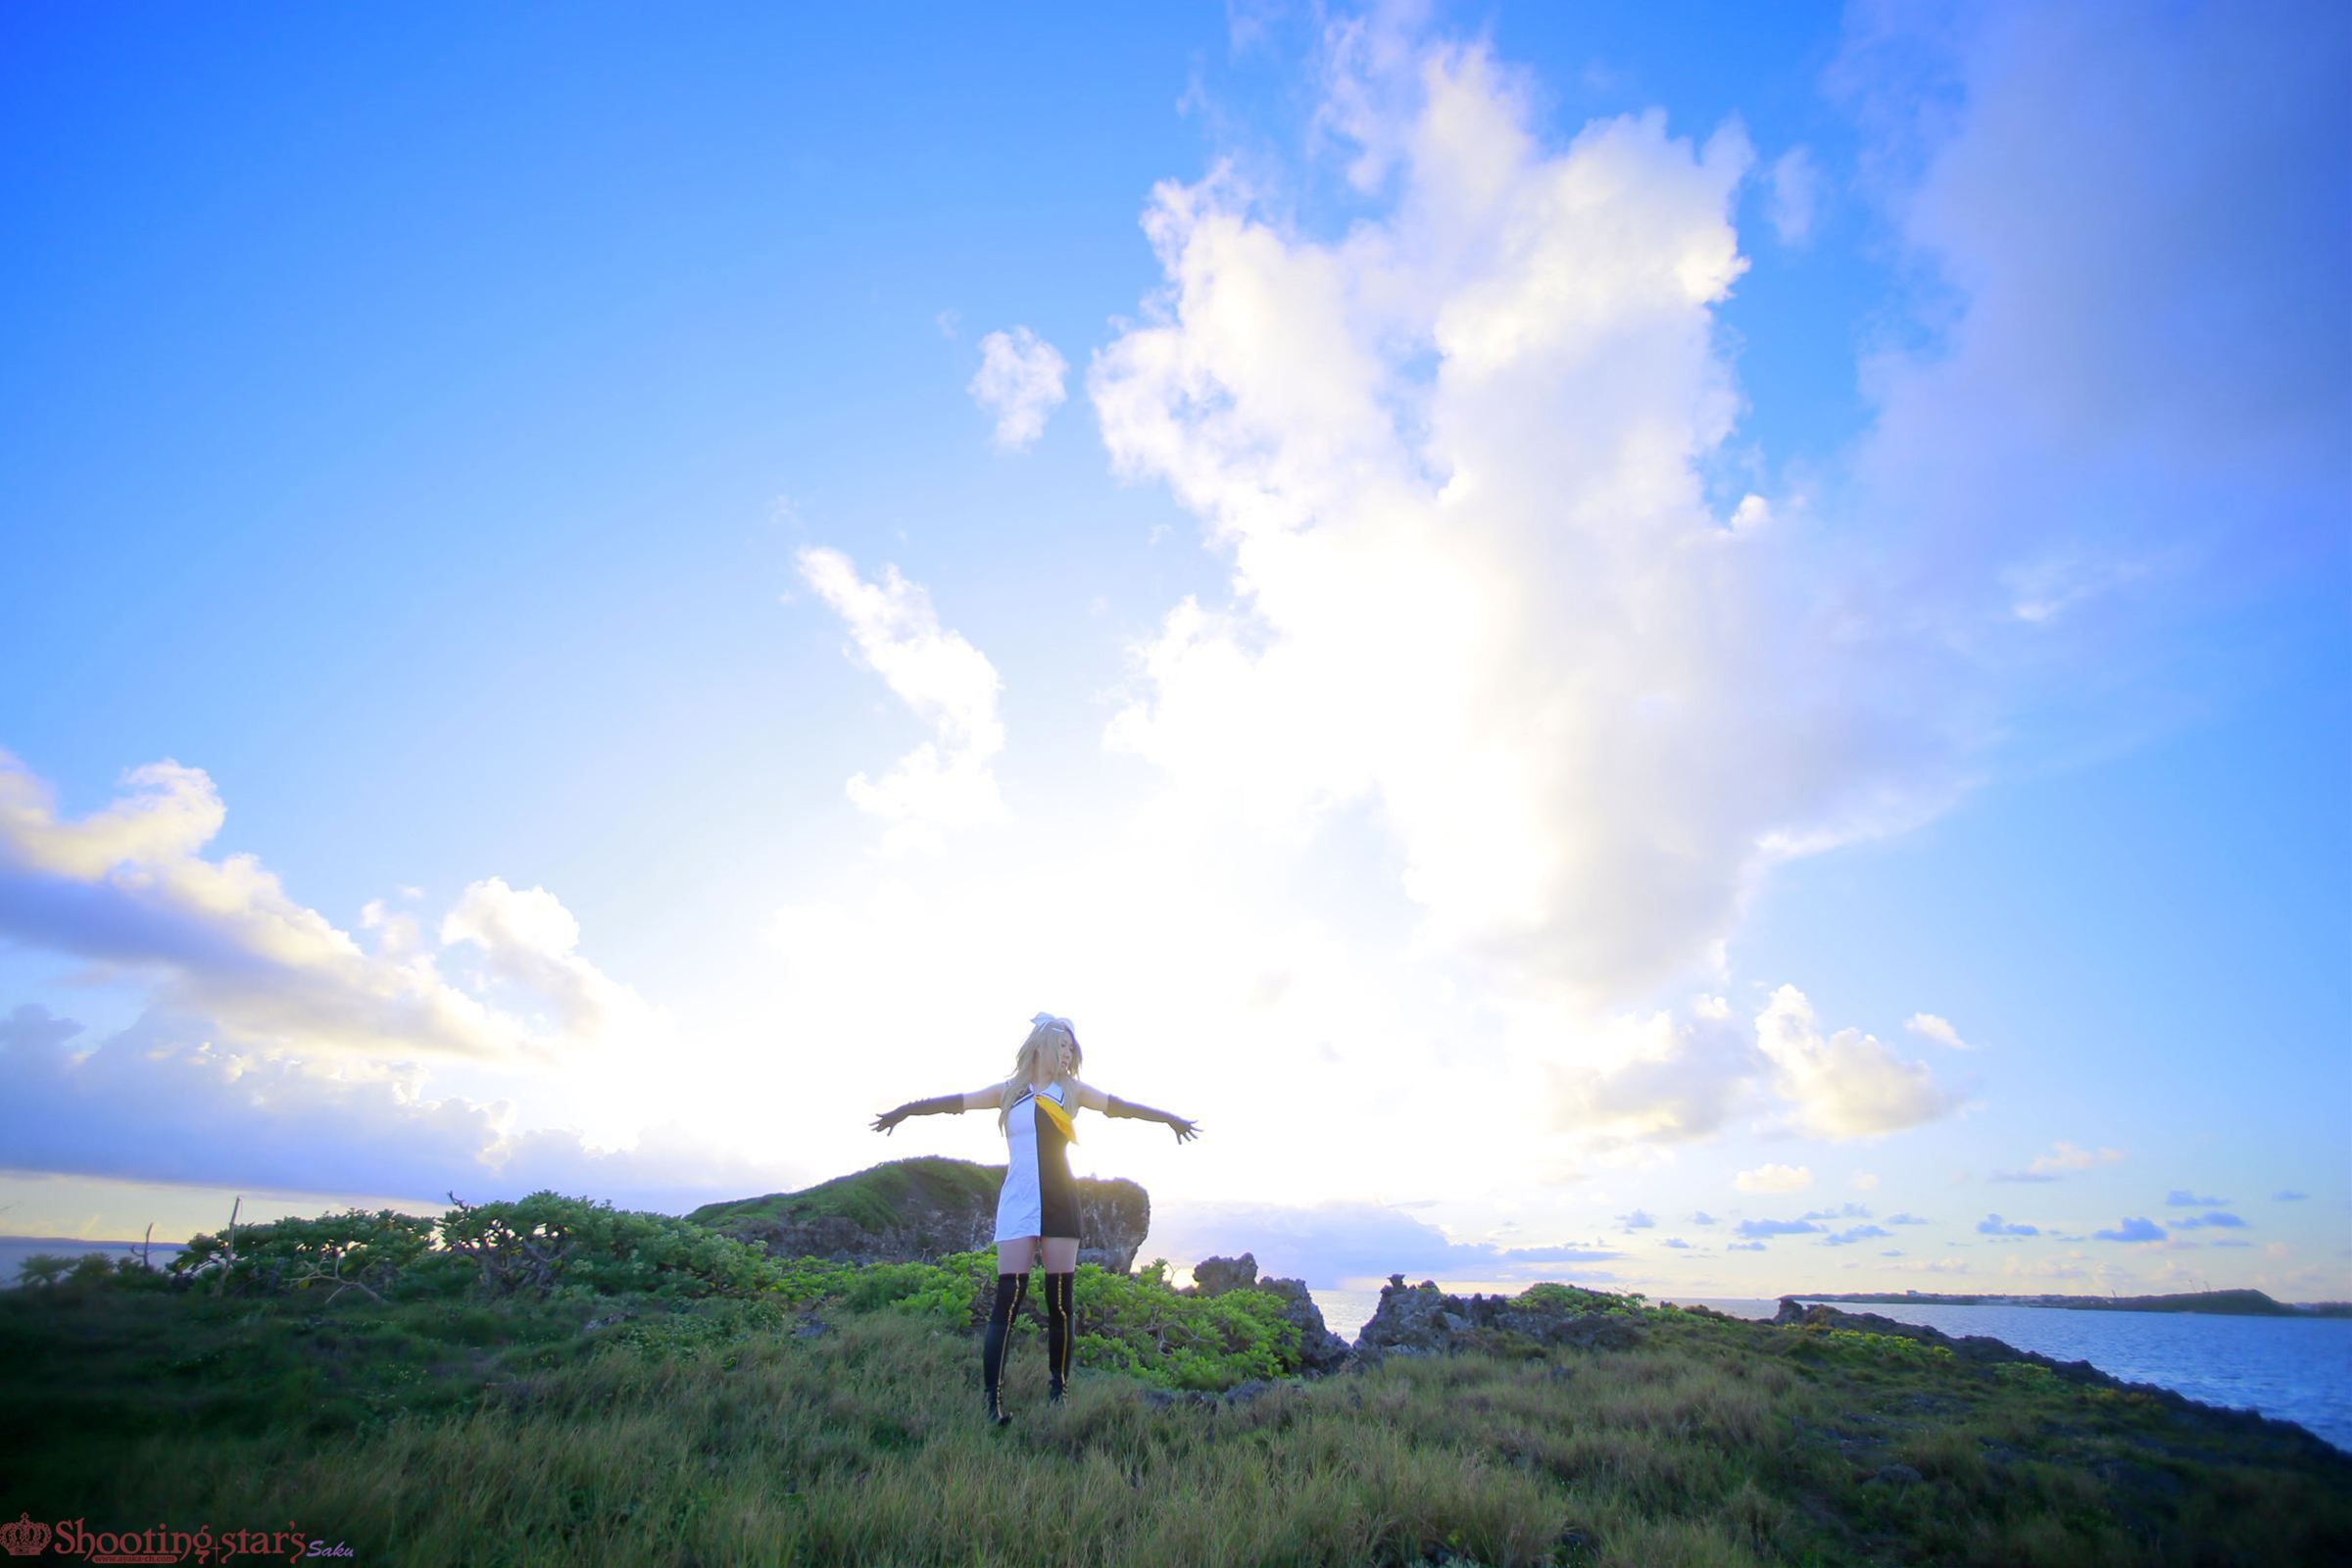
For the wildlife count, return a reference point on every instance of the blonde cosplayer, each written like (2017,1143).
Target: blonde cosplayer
(1037,1207)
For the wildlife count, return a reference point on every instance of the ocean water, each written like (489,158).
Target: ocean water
(2298,1369)
(14,1249)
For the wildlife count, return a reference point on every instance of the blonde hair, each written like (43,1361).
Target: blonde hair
(1041,1039)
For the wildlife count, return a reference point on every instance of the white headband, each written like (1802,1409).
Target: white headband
(1043,1018)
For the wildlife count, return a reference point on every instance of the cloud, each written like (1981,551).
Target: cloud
(1794,179)
(2066,1157)
(1747,1247)
(1937,1029)
(1841,1211)
(1863,1181)
(530,939)
(1637,1221)
(1672,1082)
(1452,465)
(1758,1229)
(1853,1234)
(2132,1230)
(1994,1225)
(1676,1243)
(2211,1221)
(129,888)
(162,1101)
(1019,381)
(1331,1245)
(1453,460)
(1774,1179)
(1906,1219)
(2132,383)
(1702,1217)
(2062,1158)
(2288,1195)
(2182,1198)
(1664,1080)
(1845,1085)
(946,781)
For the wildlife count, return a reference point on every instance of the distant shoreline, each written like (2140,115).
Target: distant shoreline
(2224,1304)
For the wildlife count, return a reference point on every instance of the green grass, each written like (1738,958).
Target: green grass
(736,1431)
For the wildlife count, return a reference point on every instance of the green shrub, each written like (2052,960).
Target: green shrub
(1137,1324)
(1880,1346)
(43,1269)
(546,1244)
(354,1250)
(1555,1297)
(2026,1375)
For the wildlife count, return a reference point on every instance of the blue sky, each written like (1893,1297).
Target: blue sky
(1549,618)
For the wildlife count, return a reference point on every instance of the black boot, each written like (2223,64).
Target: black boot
(1010,1287)
(1062,1330)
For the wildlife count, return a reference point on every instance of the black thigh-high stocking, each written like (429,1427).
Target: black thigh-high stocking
(1010,1287)
(1062,1330)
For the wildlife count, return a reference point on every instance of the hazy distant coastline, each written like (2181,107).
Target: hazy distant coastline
(2228,1303)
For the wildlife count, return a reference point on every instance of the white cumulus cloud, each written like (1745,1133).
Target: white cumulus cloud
(529,938)
(1847,1083)
(1666,1080)
(946,781)
(130,888)
(1019,382)
(1453,461)
(1939,1030)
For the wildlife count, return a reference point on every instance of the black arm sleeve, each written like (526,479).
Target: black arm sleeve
(1128,1107)
(939,1105)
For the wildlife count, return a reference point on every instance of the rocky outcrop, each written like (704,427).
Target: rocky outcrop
(1976,1348)
(1423,1320)
(1319,1349)
(1984,1349)
(915,1210)
(1114,1216)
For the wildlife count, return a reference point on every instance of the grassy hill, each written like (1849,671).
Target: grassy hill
(877,1198)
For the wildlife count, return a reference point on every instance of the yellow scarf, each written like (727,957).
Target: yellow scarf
(1057,1115)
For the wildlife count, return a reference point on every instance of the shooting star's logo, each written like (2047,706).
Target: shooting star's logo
(26,1538)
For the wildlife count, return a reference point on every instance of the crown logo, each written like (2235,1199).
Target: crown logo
(26,1538)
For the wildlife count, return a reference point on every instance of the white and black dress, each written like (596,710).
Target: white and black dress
(1040,1195)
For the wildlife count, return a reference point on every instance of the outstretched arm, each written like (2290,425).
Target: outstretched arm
(1093,1099)
(939,1105)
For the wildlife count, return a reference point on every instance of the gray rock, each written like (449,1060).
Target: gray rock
(1423,1320)
(1214,1276)
(1319,1349)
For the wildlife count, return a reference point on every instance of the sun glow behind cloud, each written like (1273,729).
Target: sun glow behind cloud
(1415,845)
